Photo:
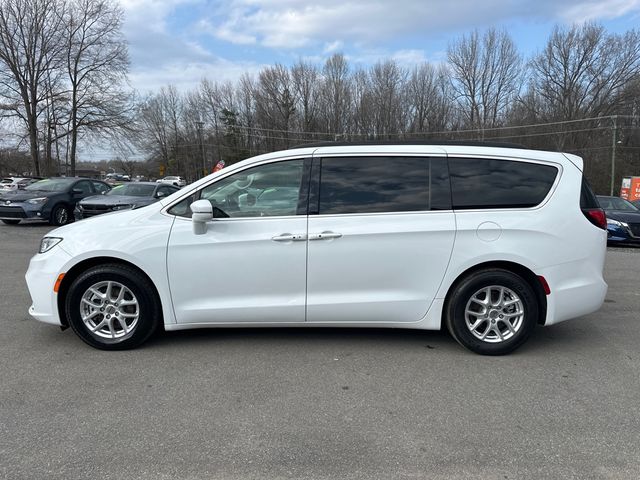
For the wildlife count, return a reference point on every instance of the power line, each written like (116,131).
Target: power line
(472,130)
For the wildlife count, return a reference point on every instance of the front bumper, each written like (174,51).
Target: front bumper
(628,233)
(21,211)
(41,276)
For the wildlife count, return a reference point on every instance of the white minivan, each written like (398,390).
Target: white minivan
(487,240)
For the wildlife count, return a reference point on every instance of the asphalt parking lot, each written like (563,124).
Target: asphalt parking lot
(312,403)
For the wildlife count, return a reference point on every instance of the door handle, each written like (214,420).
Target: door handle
(324,236)
(289,237)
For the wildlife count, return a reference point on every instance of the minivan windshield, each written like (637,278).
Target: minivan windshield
(51,185)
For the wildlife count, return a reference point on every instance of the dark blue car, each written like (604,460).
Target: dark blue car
(623,220)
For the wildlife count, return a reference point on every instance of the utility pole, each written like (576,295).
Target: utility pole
(614,138)
(199,126)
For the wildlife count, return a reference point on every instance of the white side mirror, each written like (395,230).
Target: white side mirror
(202,212)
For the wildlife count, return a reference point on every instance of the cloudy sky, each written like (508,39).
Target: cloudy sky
(182,41)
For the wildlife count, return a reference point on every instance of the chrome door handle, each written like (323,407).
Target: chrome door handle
(324,236)
(289,237)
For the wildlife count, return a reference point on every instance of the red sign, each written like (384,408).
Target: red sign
(630,188)
(219,166)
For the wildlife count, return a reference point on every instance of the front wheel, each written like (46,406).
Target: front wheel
(492,312)
(60,215)
(112,307)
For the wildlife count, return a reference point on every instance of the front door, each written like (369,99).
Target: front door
(250,265)
(380,239)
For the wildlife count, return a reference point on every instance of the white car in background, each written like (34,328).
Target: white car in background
(11,184)
(173,180)
(487,241)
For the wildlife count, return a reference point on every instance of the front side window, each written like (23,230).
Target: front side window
(264,191)
(83,185)
(383,184)
(487,183)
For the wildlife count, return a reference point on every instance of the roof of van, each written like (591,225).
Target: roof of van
(458,143)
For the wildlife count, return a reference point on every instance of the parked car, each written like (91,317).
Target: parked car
(52,200)
(123,197)
(175,181)
(623,220)
(9,184)
(412,235)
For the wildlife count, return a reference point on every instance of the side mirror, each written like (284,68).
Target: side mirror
(202,212)
(77,191)
(160,194)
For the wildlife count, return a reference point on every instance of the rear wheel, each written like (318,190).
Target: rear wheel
(112,307)
(492,312)
(11,222)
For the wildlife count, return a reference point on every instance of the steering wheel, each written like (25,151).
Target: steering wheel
(247,184)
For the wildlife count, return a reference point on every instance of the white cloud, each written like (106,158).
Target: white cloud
(160,55)
(169,38)
(332,47)
(292,24)
(409,57)
(599,10)
(186,76)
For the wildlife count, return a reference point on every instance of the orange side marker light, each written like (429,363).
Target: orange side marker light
(56,286)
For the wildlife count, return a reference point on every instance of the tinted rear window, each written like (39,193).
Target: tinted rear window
(587,197)
(383,184)
(485,183)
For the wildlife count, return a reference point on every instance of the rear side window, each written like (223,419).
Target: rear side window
(383,184)
(587,198)
(485,183)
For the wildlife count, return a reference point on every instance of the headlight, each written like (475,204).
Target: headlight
(38,201)
(617,223)
(121,207)
(47,243)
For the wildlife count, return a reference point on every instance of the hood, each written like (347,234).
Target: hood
(94,228)
(23,195)
(112,200)
(623,216)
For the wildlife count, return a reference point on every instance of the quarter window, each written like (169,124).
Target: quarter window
(487,183)
(383,184)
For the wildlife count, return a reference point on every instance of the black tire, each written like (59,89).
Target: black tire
(60,215)
(464,291)
(149,310)
(11,222)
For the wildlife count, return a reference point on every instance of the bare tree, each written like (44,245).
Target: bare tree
(582,72)
(30,48)
(485,76)
(96,65)
(336,94)
(304,77)
(388,82)
(428,107)
(275,103)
